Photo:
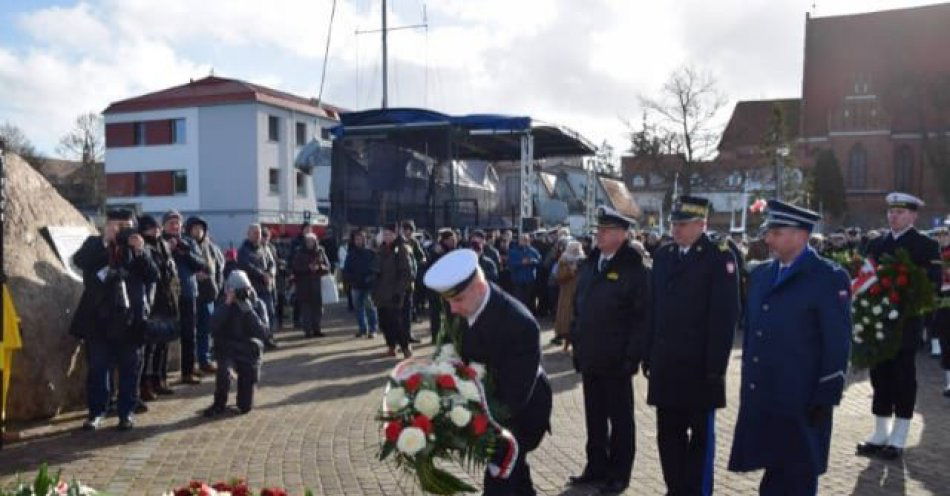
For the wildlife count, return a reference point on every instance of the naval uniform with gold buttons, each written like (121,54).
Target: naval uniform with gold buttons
(794,354)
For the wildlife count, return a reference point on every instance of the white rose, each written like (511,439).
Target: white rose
(866,319)
(879,326)
(858,328)
(469,390)
(893,315)
(427,403)
(396,399)
(858,340)
(447,351)
(460,416)
(864,303)
(879,335)
(479,370)
(885,301)
(876,310)
(411,440)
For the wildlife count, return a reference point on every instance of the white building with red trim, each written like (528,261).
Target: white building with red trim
(220,148)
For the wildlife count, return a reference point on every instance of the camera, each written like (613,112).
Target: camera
(242,294)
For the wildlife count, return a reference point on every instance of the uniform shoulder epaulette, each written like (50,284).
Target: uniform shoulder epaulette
(724,245)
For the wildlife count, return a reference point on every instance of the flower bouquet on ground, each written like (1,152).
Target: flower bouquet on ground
(45,484)
(235,487)
(437,409)
(885,297)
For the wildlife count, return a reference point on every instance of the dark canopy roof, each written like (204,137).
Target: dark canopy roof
(475,136)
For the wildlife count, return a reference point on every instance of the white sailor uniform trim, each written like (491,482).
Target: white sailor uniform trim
(829,377)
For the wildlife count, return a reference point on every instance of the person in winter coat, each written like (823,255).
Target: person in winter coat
(612,306)
(165,293)
(210,283)
(255,259)
(117,271)
(189,263)
(566,275)
(395,279)
(360,270)
(238,326)
(523,260)
(309,265)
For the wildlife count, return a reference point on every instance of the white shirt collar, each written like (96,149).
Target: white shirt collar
(481,308)
(897,235)
(606,258)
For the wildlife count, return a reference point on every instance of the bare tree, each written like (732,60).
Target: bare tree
(15,141)
(684,114)
(86,141)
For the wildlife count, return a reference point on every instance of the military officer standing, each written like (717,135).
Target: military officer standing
(503,335)
(794,357)
(695,308)
(895,381)
(612,308)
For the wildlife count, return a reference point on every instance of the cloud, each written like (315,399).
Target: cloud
(580,64)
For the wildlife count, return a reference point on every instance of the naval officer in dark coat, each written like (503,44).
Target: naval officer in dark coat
(895,381)
(794,356)
(695,307)
(612,308)
(504,336)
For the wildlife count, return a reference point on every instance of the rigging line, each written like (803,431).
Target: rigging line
(326,54)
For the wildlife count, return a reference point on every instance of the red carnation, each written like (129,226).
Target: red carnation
(183,492)
(467,372)
(241,490)
(423,422)
(480,424)
(894,297)
(874,290)
(221,486)
(413,382)
(273,491)
(445,381)
(392,431)
(902,280)
(886,282)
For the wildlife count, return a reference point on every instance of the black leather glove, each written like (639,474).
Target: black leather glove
(819,415)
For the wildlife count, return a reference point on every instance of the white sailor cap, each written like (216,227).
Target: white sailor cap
(608,217)
(903,200)
(452,273)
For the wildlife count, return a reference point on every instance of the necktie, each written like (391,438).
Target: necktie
(601,264)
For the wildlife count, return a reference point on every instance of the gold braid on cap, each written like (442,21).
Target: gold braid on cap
(693,209)
(458,288)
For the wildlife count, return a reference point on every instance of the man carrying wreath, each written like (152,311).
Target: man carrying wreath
(504,336)
(895,380)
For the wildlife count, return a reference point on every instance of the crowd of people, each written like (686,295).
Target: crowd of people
(623,301)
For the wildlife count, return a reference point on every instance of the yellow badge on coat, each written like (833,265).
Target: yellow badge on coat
(612,276)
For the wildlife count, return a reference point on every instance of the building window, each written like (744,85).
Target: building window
(273,181)
(180,182)
(857,168)
(301,184)
(301,133)
(139,134)
(273,128)
(638,181)
(903,168)
(325,133)
(141,183)
(178,131)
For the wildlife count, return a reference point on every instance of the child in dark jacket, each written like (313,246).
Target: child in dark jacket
(238,326)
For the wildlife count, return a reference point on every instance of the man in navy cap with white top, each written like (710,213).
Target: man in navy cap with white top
(794,357)
(895,380)
(503,336)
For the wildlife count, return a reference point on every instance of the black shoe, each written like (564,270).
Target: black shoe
(890,453)
(584,478)
(93,423)
(140,407)
(126,424)
(213,411)
(317,334)
(946,392)
(415,340)
(270,344)
(612,488)
(557,341)
(868,449)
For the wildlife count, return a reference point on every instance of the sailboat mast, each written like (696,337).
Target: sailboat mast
(385,61)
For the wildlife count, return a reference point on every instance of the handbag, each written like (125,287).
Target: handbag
(328,290)
(160,329)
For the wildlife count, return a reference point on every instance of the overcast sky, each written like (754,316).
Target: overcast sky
(579,63)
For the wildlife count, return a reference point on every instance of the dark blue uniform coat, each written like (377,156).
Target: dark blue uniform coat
(795,353)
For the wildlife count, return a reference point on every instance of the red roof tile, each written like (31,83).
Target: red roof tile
(214,90)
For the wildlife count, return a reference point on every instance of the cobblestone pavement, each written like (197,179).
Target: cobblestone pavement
(312,426)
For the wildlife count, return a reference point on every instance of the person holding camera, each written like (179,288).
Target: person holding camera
(164,302)
(239,328)
(310,264)
(116,272)
(189,263)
